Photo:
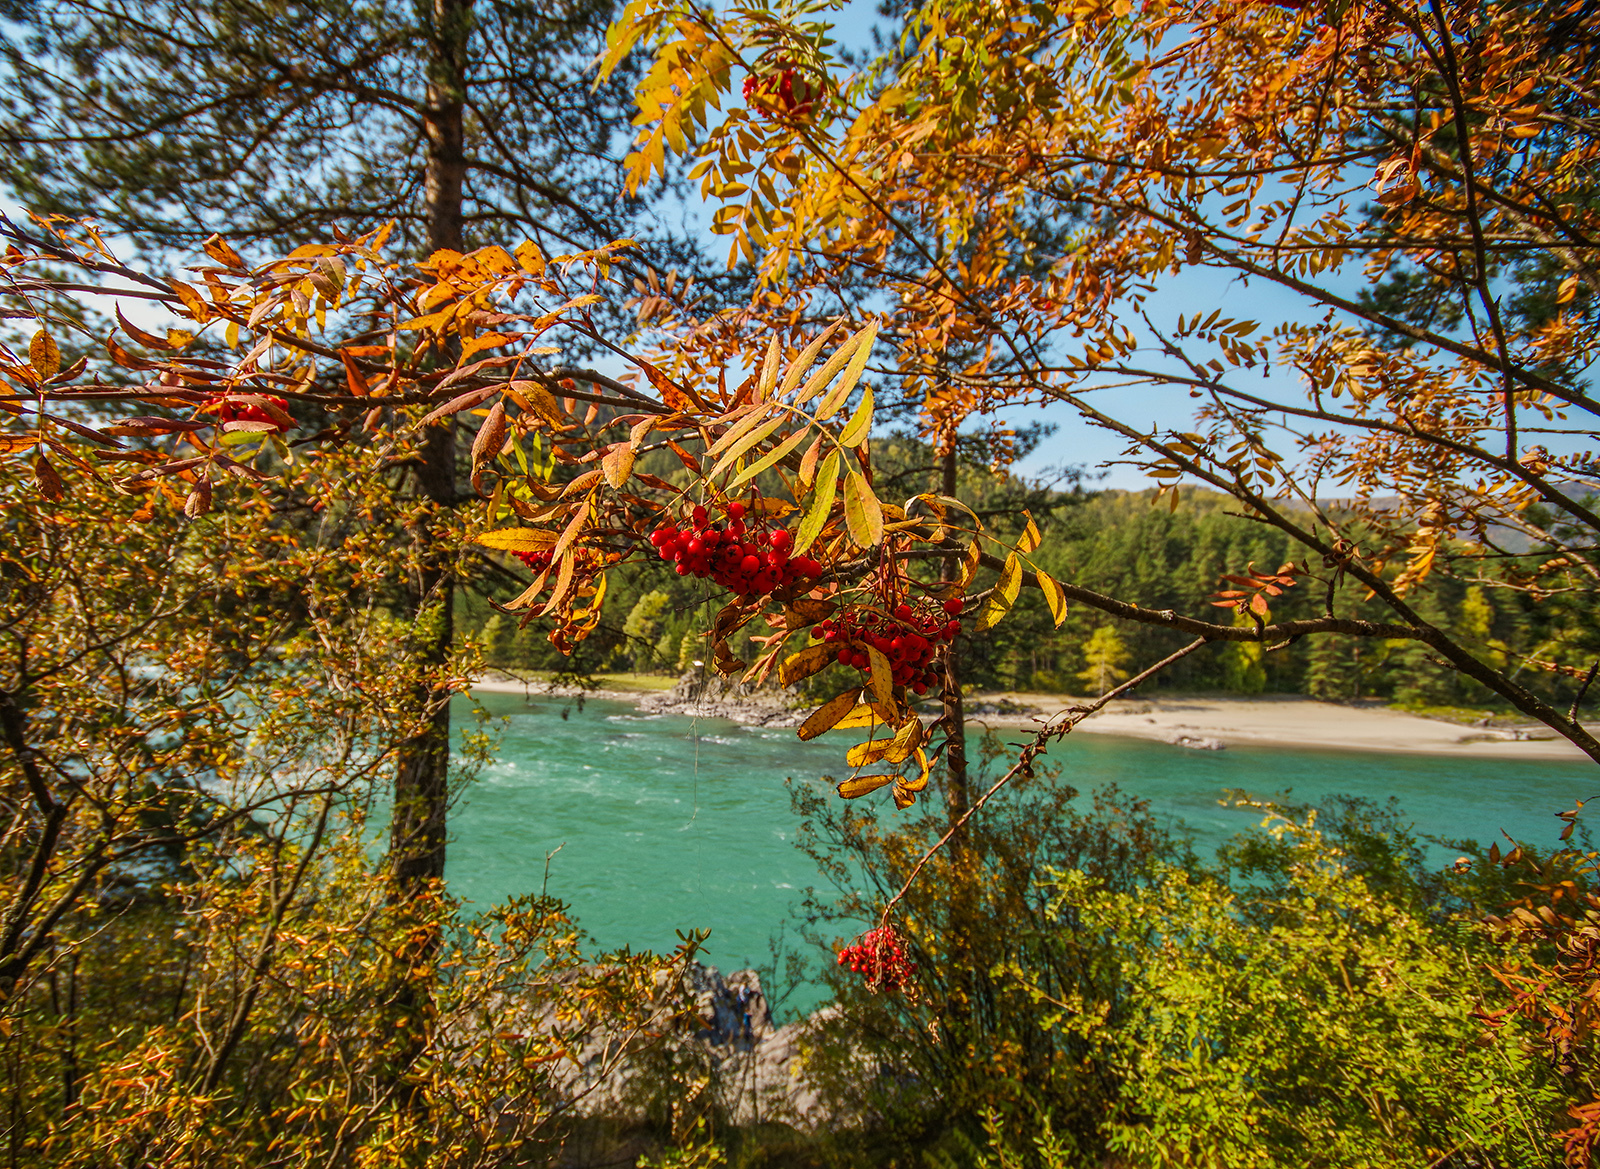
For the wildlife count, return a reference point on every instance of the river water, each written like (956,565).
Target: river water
(666,823)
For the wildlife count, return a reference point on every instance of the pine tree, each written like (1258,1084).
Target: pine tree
(462,121)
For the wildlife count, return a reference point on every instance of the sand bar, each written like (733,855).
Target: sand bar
(1286,721)
(1279,721)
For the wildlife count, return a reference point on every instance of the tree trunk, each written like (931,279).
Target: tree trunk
(417,833)
(422,772)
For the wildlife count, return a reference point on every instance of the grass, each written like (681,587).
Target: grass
(1460,714)
(621,681)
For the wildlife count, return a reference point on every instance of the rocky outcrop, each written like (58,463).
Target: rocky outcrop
(702,694)
(718,1038)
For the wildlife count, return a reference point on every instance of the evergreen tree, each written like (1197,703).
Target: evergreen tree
(462,121)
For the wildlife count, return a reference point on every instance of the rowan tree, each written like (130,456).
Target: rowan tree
(1244,140)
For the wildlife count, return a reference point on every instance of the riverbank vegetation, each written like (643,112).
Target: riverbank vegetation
(1118,544)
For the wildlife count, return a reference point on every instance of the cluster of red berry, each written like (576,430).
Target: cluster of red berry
(537,561)
(783,91)
(909,639)
(228,410)
(750,561)
(881,956)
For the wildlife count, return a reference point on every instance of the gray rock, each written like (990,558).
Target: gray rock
(1197,742)
(702,694)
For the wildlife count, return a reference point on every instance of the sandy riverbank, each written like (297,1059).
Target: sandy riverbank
(1282,721)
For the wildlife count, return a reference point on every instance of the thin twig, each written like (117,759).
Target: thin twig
(1572,715)
(1024,761)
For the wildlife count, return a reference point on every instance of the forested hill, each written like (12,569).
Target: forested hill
(1117,543)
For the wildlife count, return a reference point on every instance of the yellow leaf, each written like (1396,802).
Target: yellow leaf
(906,740)
(869,752)
(530,258)
(860,349)
(881,677)
(856,430)
(970,562)
(1054,597)
(1004,595)
(217,248)
(44,354)
(745,442)
(767,461)
(769,372)
(862,716)
(808,463)
(827,716)
(792,377)
(518,540)
(533,397)
(862,785)
(1030,537)
(618,464)
(563,583)
(1564,293)
(923,768)
(805,663)
(822,496)
(862,511)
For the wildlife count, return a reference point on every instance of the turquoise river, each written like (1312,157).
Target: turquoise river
(667,823)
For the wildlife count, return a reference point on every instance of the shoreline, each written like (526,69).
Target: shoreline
(1185,722)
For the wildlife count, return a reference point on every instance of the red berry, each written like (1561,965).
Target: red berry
(736,510)
(954,606)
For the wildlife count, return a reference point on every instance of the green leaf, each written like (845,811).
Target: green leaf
(837,396)
(822,496)
(769,460)
(856,430)
(802,363)
(862,512)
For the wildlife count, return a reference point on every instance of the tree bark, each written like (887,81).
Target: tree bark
(417,831)
(422,772)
